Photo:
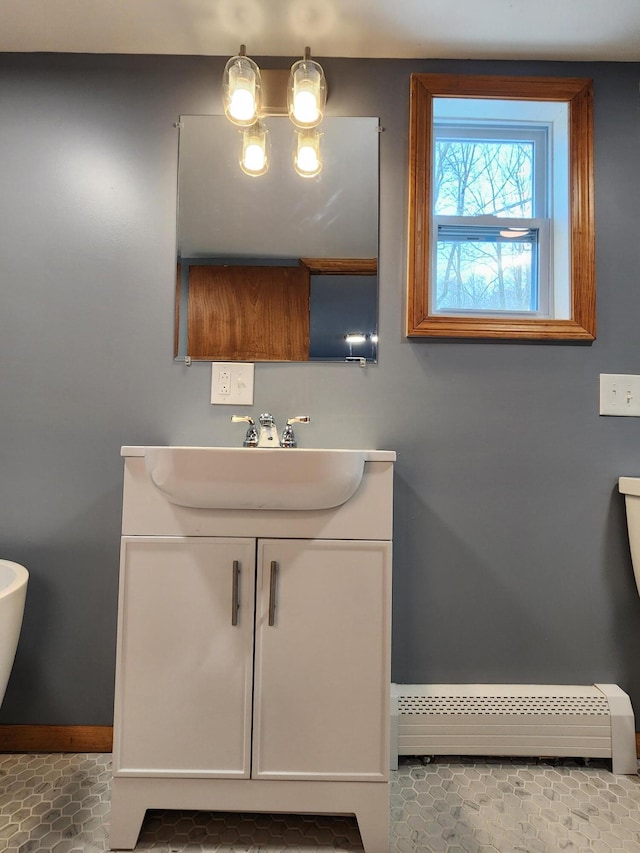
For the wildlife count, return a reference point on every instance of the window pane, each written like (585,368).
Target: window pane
(485,271)
(474,177)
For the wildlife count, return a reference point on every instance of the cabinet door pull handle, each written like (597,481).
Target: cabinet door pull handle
(235,593)
(272,592)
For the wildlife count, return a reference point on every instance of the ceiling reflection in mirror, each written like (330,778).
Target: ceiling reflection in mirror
(326,225)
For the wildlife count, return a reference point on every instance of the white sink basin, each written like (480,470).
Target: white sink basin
(257,478)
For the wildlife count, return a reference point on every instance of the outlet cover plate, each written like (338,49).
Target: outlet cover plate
(240,383)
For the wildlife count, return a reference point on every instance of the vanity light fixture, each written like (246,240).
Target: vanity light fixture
(254,157)
(307,160)
(303,98)
(241,89)
(307,92)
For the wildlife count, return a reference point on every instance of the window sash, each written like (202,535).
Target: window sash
(487,229)
(537,134)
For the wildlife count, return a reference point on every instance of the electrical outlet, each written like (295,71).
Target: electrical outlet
(620,395)
(224,381)
(232,383)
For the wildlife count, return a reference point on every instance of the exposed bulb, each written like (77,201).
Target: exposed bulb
(305,107)
(243,105)
(306,92)
(254,157)
(307,159)
(241,89)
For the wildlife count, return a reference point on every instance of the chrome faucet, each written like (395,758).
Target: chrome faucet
(267,436)
(251,438)
(288,438)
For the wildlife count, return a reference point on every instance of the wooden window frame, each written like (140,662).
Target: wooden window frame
(578,94)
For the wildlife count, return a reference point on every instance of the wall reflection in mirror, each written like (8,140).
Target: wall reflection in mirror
(277,267)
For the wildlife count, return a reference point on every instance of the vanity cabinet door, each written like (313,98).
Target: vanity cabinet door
(322,668)
(185,657)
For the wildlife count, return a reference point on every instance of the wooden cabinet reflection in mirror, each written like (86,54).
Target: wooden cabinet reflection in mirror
(254,312)
(501,208)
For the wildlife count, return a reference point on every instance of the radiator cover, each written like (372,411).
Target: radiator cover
(543,720)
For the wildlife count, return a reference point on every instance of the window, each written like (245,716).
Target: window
(490,208)
(501,208)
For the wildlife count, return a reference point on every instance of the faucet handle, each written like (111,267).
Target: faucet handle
(288,438)
(251,438)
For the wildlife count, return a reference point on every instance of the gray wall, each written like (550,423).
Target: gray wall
(511,555)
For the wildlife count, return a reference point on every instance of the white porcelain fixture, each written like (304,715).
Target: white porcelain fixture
(253,656)
(256,478)
(13,591)
(630,488)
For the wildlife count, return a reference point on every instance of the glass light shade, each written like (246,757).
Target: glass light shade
(241,90)
(306,159)
(307,93)
(254,157)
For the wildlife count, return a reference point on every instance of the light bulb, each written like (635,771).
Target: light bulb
(241,90)
(306,158)
(243,105)
(254,157)
(305,107)
(306,93)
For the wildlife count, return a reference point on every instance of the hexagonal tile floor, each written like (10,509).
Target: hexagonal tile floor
(60,804)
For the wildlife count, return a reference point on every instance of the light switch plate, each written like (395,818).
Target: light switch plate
(620,395)
(232,383)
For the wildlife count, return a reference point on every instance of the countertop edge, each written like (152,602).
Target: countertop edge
(370,455)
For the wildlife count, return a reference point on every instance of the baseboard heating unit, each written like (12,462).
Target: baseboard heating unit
(534,720)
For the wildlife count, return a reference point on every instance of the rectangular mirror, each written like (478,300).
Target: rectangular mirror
(277,267)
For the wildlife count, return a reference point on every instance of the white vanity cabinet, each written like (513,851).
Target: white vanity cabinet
(253,659)
(185,661)
(320,680)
